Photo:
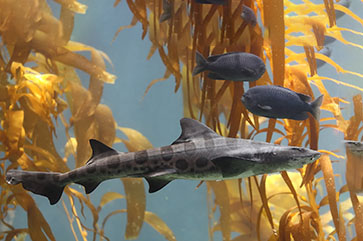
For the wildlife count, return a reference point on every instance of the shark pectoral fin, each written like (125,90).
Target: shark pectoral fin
(264,107)
(89,185)
(99,148)
(232,167)
(156,183)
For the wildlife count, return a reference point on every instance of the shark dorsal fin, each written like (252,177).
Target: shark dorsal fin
(99,148)
(192,129)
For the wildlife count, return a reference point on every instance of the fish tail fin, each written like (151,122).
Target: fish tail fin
(315,107)
(43,183)
(201,64)
(165,16)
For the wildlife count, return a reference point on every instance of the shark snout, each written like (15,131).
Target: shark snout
(315,156)
(312,156)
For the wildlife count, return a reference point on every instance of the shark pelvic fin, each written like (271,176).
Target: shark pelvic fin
(99,148)
(156,183)
(192,129)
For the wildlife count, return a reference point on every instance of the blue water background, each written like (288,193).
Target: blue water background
(157,117)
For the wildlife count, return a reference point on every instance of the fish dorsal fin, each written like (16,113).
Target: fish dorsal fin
(304,98)
(192,129)
(213,58)
(99,148)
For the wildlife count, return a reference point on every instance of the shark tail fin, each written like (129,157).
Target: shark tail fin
(201,64)
(315,107)
(42,183)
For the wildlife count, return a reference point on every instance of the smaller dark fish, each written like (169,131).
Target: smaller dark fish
(278,102)
(217,2)
(166,11)
(235,66)
(248,15)
(344,3)
(328,40)
(326,50)
(355,147)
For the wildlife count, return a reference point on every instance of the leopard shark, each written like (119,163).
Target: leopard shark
(198,154)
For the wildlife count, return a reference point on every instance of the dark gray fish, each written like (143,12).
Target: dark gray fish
(338,14)
(326,50)
(355,147)
(216,2)
(354,165)
(235,66)
(344,3)
(166,11)
(278,102)
(198,154)
(249,16)
(328,40)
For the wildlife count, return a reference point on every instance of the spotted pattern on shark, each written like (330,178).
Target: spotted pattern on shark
(198,154)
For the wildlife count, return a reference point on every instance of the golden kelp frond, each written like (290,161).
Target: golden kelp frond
(33,28)
(134,187)
(152,219)
(246,217)
(31,101)
(38,228)
(40,91)
(73,5)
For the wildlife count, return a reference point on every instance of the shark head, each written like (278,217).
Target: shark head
(292,157)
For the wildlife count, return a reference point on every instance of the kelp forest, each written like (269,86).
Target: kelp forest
(39,82)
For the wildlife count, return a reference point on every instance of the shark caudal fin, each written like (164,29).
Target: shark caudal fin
(42,183)
(315,107)
(201,64)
